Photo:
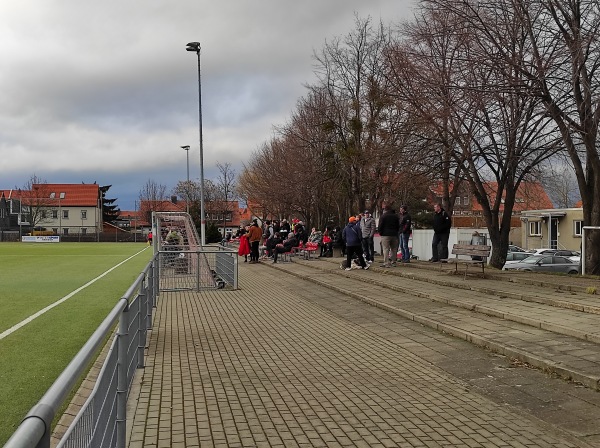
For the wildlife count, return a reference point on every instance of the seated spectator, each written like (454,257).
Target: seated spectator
(315,236)
(271,243)
(326,244)
(285,246)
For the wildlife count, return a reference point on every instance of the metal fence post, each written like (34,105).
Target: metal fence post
(122,378)
(141,326)
(197,271)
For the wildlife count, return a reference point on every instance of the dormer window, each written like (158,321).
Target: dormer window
(62,195)
(52,195)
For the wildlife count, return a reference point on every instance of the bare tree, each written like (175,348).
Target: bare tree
(498,132)
(561,66)
(37,205)
(357,111)
(225,188)
(560,182)
(151,194)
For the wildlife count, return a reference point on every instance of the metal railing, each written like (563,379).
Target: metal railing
(206,268)
(184,263)
(101,422)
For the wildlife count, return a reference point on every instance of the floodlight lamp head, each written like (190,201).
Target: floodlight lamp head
(193,46)
(186,147)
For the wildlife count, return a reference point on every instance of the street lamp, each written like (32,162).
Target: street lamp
(195,46)
(187,185)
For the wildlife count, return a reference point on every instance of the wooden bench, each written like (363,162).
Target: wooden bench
(472,250)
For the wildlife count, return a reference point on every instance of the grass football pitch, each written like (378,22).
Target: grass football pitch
(35,275)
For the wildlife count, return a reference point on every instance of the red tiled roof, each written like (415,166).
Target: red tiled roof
(530,196)
(245,215)
(135,216)
(68,195)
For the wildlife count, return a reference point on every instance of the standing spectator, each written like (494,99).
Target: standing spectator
(441,234)
(353,236)
(368,226)
(244,249)
(268,231)
(150,238)
(254,236)
(284,229)
(405,231)
(389,227)
(300,232)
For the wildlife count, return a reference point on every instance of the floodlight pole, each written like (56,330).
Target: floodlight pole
(195,46)
(187,185)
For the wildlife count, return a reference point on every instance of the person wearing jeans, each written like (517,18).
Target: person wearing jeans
(367,226)
(405,231)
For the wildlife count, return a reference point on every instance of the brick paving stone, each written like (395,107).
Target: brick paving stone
(264,366)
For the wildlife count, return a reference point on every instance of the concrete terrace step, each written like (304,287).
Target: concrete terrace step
(528,287)
(565,355)
(494,298)
(559,282)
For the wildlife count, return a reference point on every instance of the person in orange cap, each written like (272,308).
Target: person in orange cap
(352,235)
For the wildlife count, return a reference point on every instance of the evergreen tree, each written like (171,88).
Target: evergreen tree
(110,211)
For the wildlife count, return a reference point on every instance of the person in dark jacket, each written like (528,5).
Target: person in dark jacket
(352,235)
(389,227)
(441,233)
(337,242)
(285,246)
(405,231)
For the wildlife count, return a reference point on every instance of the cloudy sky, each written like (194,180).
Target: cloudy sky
(105,91)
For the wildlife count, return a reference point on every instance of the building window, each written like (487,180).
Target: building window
(83,231)
(83,214)
(43,214)
(52,195)
(535,228)
(457,200)
(65,214)
(65,231)
(62,195)
(55,230)
(55,214)
(577,226)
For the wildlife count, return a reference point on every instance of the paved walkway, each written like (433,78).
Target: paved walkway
(296,358)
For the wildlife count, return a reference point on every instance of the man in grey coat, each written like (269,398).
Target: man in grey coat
(368,226)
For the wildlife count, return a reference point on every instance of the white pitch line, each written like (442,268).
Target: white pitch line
(64,299)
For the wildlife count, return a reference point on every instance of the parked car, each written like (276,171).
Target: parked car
(572,254)
(513,248)
(545,263)
(515,257)
(542,251)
